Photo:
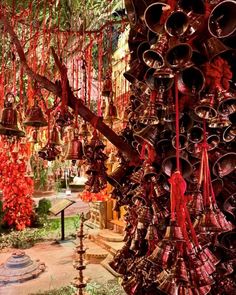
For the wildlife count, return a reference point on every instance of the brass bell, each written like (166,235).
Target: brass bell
(55,137)
(177,23)
(191,81)
(75,149)
(141,49)
(107,86)
(136,72)
(180,270)
(149,116)
(111,112)
(213,142)
(169,286)
(153,14)
(190,6)
(149,172)
(160,80)
(208,222)
(161,255)
(221,22)
(148,134)
(174,233)
(227,106)
(214,48)
(186,290)
(225,164)
(195,134)
(115,177)
(169,165)
(215,260)
(153,57)
(35,117)
(179,55)
(196,206)
(219,121)
(205,109)
(9,124)
(137,176)
(49,152)
(182,142)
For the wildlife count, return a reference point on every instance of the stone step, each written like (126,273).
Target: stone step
(105,264)
(110,236)
(94,253)
(111,247)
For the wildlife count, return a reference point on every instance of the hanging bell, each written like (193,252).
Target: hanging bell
(160,80)
(148,135)
(169,286)
(152,233)
(215,260)
(55,137)
(161,255)
(9,124)
(205,109)
(177,23)
(190,6)
(149,116)
(174,233)
(187,290)
(220,122)
(191,81)
(196,206)
(224,164)
(136,72)
(153,14)
(227,106)
(49,152)
(180,270)
(111,112)
(213,142)
(153,57)
(179,55)
(182,142)
(213,48)
(35,116)
(115,177)
(221,22)
(107,86)
(208,222)
(169,165)
(75,149)
(195,134)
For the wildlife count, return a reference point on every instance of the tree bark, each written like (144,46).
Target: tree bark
(73,102)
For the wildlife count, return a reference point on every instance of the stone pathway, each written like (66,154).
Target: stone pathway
(59,269)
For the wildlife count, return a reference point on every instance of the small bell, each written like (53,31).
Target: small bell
(180,271)
(169,286)
(55,137)
(35,116)
(9,124)
(174,233)
(161,255)
(75,149)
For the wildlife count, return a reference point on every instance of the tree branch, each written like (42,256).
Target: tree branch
(73,102)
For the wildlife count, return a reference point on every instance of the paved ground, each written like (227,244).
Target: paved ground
(59,271)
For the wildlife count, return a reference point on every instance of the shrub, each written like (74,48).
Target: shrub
(44,206)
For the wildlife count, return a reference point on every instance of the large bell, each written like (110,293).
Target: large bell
(35,117)
(229,133)
(214,47)
(213,141)
(205,108)
(75,149)
(222,21)
(153,14)
(225,164)
(8,124)
(191,81)
(169,165)
(161,79)
(195,134)
(179,55)
(177,23)
(136,72)
(153,57)
(227,106)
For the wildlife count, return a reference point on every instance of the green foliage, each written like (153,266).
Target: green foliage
(22,239)
(112,287)
(44,206)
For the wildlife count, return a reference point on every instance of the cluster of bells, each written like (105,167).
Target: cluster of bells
(96,171)
(36,119)
(155,258)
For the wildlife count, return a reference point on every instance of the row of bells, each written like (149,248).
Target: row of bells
(36,119)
